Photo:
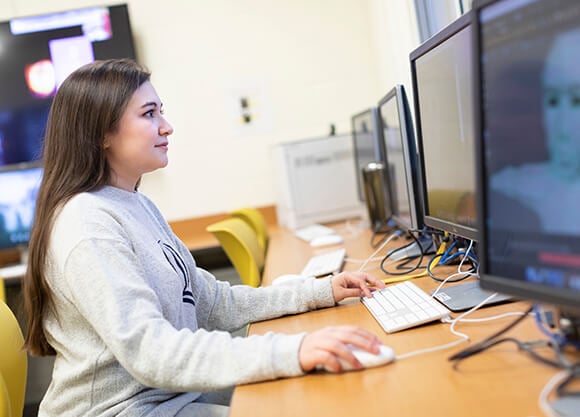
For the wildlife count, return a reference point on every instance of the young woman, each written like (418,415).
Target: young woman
(136,327)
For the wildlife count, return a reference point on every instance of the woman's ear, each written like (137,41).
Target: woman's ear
(107,142)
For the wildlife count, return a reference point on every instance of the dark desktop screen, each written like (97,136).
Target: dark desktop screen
(444,92)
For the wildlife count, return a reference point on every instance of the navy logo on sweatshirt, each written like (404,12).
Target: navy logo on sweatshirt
(179,266)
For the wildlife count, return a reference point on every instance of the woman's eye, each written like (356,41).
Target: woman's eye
(575,100)
(551,100)
(149,113)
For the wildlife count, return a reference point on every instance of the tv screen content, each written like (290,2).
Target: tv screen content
(18,191)
(43,51)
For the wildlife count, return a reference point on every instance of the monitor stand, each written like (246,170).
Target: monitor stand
(424,246)
(461,297)
(566,406)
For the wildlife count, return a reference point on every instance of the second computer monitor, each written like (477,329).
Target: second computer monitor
(441,69)
(366,143)
(400,155)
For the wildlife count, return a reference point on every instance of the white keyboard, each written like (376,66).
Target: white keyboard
(323,264)
(404,305)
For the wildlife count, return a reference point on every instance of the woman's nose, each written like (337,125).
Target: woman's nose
(165,129)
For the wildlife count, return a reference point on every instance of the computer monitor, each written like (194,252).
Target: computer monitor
(18,192)
(441,72)
(400,155)
(367,140)
(38,53)
(527,95)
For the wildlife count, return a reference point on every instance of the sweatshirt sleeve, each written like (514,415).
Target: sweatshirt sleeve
(232,307)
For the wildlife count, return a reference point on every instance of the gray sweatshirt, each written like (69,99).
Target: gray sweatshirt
(138,329)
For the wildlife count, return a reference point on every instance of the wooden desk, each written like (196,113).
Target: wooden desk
(498,382)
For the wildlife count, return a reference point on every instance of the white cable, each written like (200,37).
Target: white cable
(350,229)
(465,256)
(448,278)
(391,237)
(459,272)
(463,337)
(360,261)
(431,349)
(482,319)
(547,390)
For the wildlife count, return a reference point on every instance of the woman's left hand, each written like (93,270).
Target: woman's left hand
(354,284)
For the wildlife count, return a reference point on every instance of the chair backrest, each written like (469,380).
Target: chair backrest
(2,290)
(255,219)
(241,245)
(13,360)
(4,400)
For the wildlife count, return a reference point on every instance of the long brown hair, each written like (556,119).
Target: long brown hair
(87,106)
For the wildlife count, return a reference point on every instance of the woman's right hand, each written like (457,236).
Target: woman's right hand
(324,347)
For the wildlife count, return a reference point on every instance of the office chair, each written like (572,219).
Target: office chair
(256,221)
(2,290)
(4,400)
(13,364)
(241,245)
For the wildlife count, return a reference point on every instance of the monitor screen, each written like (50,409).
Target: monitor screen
(528,69)
(366,143)
(400,155)
(18,191)
(43,50)
(442,81)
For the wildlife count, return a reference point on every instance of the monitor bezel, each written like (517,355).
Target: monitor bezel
(562,297)
(410,159)
(377,142)
(440,37)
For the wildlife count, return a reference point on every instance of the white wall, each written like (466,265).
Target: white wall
(396,33)
(304,64)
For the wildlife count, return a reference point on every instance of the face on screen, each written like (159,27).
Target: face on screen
(561,106)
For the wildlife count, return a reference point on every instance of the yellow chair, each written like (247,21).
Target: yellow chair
(13,364)
(4,400)
(256,221)
(2,290)
(241,245)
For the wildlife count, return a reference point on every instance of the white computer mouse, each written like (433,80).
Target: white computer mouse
(289,279)
(326,240)
(367,359)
